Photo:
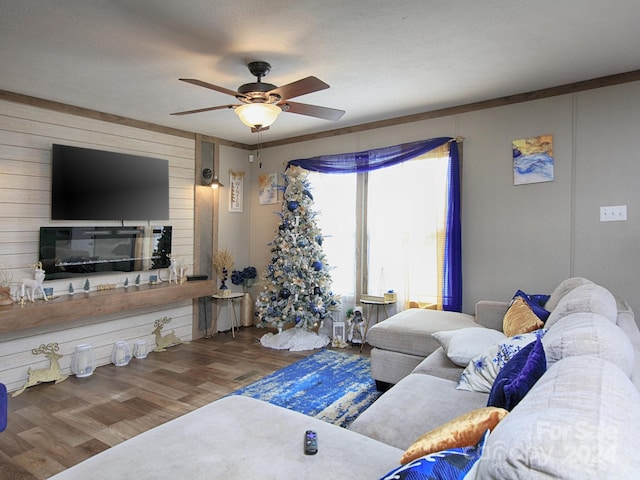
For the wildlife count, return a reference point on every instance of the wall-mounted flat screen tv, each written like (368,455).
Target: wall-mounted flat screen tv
(89,184)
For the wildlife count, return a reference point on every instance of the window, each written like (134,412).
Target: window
(405,208)
(334,199)
(401,223)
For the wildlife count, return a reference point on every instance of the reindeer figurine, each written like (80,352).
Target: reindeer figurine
(173,270)
(51,374)
(163,342)
(30,285)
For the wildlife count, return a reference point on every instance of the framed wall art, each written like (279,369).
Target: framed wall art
(235,191)
(268,188)
(533,160)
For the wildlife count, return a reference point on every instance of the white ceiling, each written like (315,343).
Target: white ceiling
(383,59)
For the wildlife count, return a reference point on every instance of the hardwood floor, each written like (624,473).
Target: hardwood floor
(54,426)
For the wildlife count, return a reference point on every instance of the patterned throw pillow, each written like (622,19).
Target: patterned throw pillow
(518,376)
(483,369)
(452,464)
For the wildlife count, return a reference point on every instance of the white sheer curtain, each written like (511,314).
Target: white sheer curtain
(406,206)
(334,199)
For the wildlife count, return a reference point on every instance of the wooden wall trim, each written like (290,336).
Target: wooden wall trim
(591,84)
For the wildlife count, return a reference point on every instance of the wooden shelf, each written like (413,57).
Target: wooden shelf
(67,308)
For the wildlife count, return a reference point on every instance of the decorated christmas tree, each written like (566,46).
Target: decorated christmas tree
(297,281)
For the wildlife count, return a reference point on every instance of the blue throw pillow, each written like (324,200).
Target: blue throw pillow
(536,302)
(452,464)
(518,376)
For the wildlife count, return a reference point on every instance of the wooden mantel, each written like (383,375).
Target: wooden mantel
(67,308)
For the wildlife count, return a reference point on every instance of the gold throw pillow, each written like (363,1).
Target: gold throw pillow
(463,431)
(520,319)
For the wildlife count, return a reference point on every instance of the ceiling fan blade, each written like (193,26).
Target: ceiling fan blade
(312,110)
(210,86)
(200,110)
(300,87)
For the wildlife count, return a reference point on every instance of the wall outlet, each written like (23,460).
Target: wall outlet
(616,213)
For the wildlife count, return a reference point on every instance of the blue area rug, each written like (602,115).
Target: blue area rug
(332,386)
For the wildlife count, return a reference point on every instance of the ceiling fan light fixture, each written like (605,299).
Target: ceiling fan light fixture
(258,115)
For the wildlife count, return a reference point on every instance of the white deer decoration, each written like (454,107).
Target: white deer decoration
(30,285)
(51,374)
(173,270)
(169,339)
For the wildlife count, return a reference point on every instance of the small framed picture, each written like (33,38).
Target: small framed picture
(235,191)
(533,160)
(268,188)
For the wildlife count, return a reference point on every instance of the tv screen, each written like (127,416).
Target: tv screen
(89,184)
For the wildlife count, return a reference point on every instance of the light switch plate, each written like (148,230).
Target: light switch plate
(617,213)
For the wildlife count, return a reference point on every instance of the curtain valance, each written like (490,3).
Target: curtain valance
(369,159)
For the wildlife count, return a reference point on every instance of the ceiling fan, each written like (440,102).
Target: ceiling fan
(261,103)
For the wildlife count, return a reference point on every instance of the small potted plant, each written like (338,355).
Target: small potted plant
(223,263)
(245,277)
(5,290)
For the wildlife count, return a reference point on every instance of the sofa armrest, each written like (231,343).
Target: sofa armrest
(490,314)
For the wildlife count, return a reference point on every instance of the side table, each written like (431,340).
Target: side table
(230,300)
(376,305)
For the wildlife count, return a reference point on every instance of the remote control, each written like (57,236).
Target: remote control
(310,442)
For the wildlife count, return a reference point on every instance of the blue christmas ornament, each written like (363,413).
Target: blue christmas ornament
(317,291)
(319,240)
(317,265)
(285,293)
(292,205)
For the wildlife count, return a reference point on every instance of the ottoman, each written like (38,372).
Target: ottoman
(402,341)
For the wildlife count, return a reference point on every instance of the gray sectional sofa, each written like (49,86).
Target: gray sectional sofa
(581,419)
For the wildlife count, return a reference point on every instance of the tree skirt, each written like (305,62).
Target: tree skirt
(294,339)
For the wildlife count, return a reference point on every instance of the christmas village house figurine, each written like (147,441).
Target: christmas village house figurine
(162,342)
(51,374)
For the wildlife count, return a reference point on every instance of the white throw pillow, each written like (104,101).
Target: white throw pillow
(484,368)
(463,344)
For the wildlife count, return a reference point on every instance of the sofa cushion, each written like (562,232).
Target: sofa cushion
(451,464)
(415,405)
(586,298)
(561,290)
(482,371)
(580,420)
(410,330)
(518,376)
(520,318)
(439,365)
(462,345)
(463,431)
(589,334)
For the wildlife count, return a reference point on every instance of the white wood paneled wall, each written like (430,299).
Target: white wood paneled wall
(26,136)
